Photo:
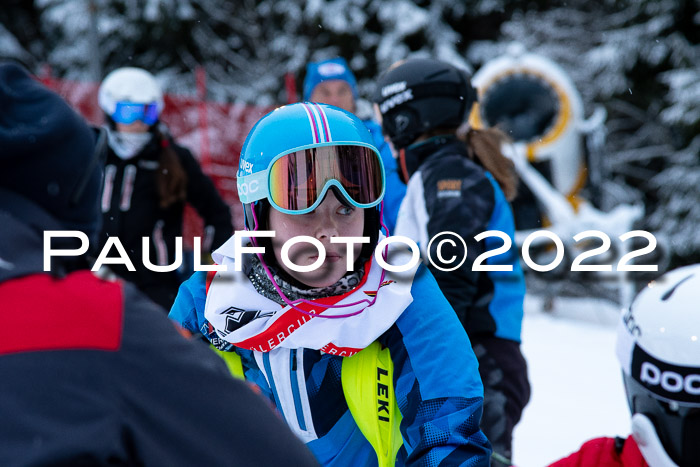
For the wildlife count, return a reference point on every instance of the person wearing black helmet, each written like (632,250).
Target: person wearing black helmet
(458,185)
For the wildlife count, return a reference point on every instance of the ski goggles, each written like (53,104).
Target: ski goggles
(296,183)
(129,112)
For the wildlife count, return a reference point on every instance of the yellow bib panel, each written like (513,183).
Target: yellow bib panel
(368,385)
(233,362)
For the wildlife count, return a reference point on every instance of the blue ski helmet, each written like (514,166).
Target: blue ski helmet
(279,149)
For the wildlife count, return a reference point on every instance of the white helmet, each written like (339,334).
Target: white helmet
(129,84)
(658,347)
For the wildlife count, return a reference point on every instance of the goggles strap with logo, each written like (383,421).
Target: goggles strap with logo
(665,380)
(253,187)
(295,183)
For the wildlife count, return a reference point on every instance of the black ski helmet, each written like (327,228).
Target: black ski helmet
(421,94)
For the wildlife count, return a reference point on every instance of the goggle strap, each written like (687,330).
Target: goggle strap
(253,187)
(381,220)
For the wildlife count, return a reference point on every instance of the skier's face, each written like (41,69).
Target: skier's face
(330,219)
(334,92)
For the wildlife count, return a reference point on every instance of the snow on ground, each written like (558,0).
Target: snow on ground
(577,391)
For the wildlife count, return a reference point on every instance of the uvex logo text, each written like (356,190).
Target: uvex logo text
(395,100)
(247,166)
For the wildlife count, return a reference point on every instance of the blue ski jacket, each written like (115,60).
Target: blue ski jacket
(436,380)
(395,188)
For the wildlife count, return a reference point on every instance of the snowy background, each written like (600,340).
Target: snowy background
(577,391)
(638,58)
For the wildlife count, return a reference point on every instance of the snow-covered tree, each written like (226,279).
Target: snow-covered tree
(641,59)
(638,58)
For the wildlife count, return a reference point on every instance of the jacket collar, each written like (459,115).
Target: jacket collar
(22,226)
(418,153)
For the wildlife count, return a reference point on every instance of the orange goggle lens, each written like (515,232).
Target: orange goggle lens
(298,179)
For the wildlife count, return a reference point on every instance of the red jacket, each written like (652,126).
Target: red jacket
(605,452)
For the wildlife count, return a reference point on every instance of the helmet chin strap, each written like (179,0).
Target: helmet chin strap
(310,302)
(649,443)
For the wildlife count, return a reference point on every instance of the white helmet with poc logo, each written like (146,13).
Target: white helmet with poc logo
(658,346)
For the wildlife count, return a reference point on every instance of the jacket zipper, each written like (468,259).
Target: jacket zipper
(295,389)
(271,379)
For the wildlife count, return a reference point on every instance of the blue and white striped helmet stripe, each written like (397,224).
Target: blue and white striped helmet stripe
(318,122)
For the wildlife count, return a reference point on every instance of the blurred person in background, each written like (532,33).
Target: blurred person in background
(332,82)
(148,180)
(93,373)
(459,182)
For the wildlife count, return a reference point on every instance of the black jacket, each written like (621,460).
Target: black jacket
(131,210)
(449,192)
(93,373)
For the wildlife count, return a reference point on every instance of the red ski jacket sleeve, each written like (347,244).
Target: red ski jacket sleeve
(605,452)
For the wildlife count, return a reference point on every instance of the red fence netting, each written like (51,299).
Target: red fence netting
(213,131)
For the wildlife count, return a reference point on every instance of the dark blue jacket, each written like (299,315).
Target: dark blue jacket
(93,373)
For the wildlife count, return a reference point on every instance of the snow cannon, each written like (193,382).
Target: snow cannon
(556,152)
(533,101)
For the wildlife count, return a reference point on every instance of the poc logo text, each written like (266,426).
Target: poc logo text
(670,381)
(248,188)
